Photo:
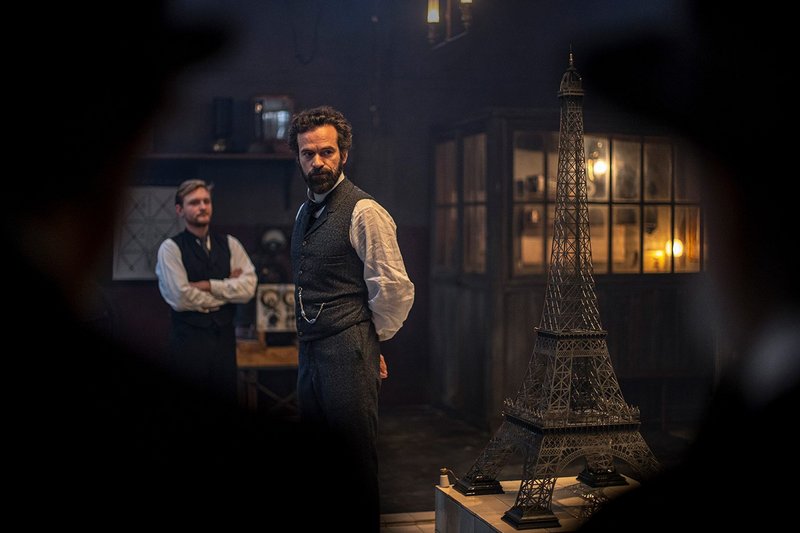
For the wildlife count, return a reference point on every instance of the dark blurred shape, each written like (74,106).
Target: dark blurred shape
(722,82)
(100,436)
(97,83)
(223,124)
(272,257)
(271,260)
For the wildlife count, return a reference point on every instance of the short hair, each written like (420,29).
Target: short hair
(188,187)
(309,119)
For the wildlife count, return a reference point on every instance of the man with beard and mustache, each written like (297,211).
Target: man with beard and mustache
(351,293)
(202,275)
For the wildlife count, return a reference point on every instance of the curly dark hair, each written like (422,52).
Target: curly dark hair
(309,119)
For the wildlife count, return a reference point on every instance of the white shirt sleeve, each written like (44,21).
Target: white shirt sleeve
(174,286)
(373,235)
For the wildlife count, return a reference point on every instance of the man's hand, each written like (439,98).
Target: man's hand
(204,285)
(384,368)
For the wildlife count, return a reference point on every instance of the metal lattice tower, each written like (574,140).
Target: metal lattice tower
(569,405)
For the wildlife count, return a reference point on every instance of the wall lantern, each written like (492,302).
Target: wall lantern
(454,27)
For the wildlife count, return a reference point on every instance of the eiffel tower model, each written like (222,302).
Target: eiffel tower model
(569,405)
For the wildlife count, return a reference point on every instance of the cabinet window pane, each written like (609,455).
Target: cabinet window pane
(445,240)
(625,239)
(598,230)
(529,239)
(626,169)
(686,250)
(446,192)
(475,238)
(528,162)
(552,165)
(596,167)
(551,216)
(687,175)
(475,168)
(642,194)
(657,172)
(657,235)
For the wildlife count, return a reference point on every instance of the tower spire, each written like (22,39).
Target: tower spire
(570,303)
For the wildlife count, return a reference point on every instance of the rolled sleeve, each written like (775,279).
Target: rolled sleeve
(373,234)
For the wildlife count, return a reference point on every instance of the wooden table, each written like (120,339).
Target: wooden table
(572,502)
(253,357)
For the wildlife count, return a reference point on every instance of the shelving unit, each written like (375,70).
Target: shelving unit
(159,168)
(224,156)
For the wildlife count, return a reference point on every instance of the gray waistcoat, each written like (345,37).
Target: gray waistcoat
(327,272)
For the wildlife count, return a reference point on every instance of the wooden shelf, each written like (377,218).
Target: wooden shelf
(285,161)
(245,156)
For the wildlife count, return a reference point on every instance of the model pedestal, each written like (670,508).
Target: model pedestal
(572,502)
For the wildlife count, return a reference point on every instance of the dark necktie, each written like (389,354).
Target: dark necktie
(312,208)
(205,245)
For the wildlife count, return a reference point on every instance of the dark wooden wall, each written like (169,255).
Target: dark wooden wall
(664,368)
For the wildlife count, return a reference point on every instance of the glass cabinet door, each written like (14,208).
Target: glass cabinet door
(529,192)
(474,236)
(657,238)
(657,172)
(446,208)
(597,167)
(626,168)
(642,195)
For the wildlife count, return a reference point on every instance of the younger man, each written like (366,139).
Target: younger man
(201,275)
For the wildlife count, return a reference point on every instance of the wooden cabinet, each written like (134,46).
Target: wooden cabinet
(494,178)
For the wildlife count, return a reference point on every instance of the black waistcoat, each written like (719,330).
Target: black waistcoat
(327,272)
(199,267)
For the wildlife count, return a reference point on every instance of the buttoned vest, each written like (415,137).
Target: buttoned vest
(328,274)
(201,266)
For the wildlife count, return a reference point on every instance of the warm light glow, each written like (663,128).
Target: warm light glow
(433,11)
(600,167)
(675,248)
(466,1)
